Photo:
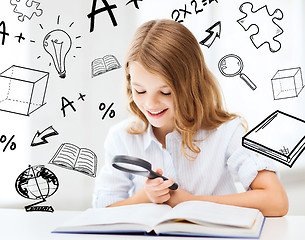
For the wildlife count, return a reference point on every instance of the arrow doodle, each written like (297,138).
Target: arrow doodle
(40,137)
(214,32)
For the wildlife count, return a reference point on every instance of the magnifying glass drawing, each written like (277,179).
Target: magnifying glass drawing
(137,166)
(231,65)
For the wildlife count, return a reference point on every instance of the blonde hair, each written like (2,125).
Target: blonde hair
(168,49)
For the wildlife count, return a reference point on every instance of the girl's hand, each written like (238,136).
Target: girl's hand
(157,189)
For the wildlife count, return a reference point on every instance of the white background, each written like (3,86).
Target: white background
(85,127)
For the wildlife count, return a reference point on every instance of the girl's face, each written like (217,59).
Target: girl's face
(153,97)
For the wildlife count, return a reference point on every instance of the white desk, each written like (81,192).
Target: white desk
(16,224)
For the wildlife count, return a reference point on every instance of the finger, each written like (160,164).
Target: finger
(154,182)
(159,171)
(167,183)
(163,198)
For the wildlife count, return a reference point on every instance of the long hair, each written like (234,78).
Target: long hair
(168,49)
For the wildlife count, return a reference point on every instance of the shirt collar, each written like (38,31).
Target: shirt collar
(149,137)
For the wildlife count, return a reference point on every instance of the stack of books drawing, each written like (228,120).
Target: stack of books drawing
(280,137)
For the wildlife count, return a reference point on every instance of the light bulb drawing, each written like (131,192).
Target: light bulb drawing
(58,43)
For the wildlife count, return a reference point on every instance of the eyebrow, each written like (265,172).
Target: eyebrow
(139,85)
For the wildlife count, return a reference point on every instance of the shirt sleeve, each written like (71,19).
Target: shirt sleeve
(245,163)
(111,185)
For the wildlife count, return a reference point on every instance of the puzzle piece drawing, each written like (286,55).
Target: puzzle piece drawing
(267,29)
(26,9)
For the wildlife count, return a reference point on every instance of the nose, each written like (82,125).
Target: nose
(152,102)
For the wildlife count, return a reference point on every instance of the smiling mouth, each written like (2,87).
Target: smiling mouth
(157,113)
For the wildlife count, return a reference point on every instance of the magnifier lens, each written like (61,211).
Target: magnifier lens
(131,167)
(230,66)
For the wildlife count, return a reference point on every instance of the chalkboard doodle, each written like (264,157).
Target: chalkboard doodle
(57,43)
(109,110)
(22,90)
(287,83)
(214,32)
(104,64)
(179,15)
(95,11)
(8,143)
(280,136)
(40,137)
(135,3)
(37,183)
(231,65)
(67,103)
(72,157)
(5,34)
(267,29)
(26,9)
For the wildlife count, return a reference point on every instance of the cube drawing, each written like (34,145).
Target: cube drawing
(22,90)
(287,83)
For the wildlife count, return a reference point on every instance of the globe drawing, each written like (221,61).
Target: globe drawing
(36,183)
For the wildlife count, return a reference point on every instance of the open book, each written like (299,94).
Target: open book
(192,218)
(104,64)
(75,158)
(280,136)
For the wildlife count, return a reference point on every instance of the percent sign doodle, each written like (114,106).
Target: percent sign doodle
(9,142)
(102,107)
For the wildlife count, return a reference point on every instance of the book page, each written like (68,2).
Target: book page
(200,211)
(86,162)
(146,214)
(98,67)
(111,62)
(65,156)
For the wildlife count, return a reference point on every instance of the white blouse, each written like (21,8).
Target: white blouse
(212,173)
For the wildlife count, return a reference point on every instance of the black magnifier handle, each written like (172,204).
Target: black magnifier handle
(153,175)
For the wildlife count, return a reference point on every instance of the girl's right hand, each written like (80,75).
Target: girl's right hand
(157,189)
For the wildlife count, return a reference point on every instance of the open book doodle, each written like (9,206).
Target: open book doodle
(192,218)
(280,136)
(72,157)
(104,64)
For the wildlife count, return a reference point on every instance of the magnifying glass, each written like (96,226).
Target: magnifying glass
(231,65)
(137,166)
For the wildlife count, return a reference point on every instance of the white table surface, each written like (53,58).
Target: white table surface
(17,224)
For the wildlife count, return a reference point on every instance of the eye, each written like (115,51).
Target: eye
(139,92)
(166,93)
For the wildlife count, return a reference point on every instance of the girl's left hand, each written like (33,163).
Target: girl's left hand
(178,196)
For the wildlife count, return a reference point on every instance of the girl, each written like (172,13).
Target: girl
(183,130)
